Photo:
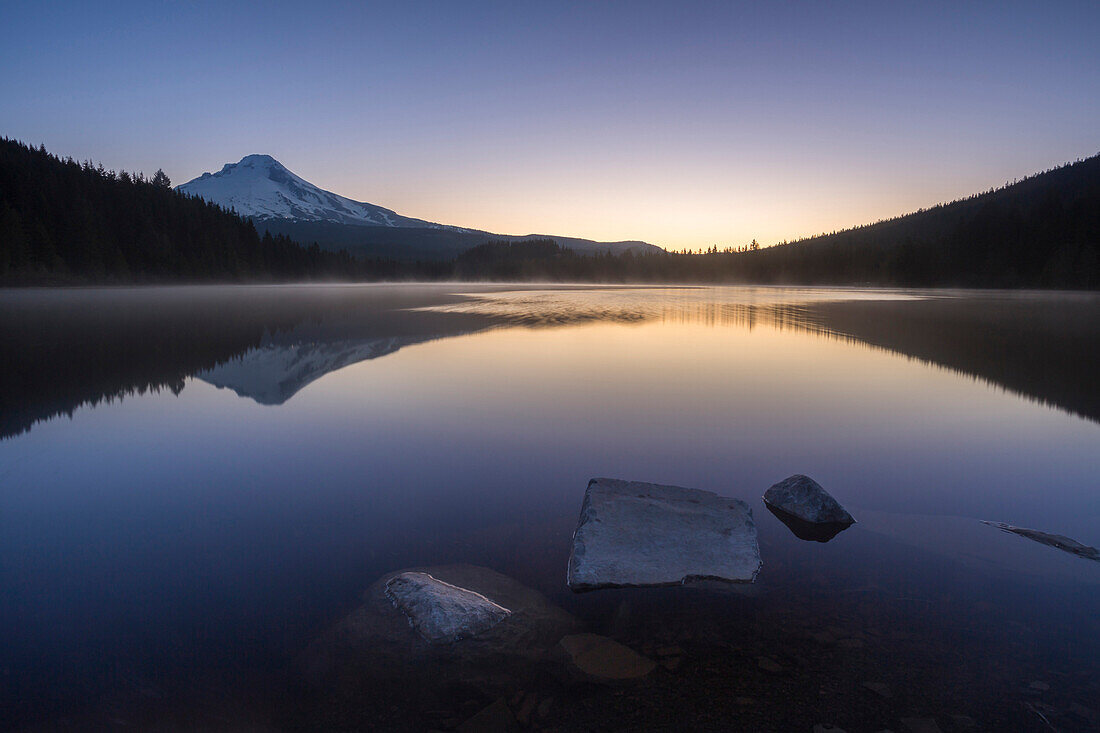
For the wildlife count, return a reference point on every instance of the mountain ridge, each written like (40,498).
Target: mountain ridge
(261,188)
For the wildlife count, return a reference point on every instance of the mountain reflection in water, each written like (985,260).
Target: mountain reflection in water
(75,347)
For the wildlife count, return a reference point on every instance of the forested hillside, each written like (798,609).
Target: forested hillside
(63,221)
(68,222)
(1043,231)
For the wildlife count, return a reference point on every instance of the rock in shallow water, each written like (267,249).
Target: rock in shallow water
(1060,542)
(377,640)
(807,509)
(440,611)
(635,534)
(920,725)
(808,531)
(604,660)
(495,717)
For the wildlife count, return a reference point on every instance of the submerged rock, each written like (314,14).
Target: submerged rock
(770,665)
(495,717)
(438,624)
(1065,544)
(807,509)
(1086,714)
(879,688)
(920,725)
(635,534)
(441,611)
(602,659)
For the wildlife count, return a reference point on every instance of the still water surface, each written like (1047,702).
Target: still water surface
(197,482)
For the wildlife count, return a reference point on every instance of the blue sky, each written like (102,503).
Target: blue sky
(684,124)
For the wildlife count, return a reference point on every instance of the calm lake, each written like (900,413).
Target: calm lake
(197,482)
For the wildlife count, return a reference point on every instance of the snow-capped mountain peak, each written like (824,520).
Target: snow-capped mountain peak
(261,187)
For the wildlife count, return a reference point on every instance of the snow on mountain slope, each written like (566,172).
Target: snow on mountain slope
(261,187)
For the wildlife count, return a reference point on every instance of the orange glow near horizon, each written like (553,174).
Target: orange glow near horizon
(679,206)
(713,125)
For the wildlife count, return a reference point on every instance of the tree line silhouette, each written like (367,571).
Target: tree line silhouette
(1041,232)
(63,221)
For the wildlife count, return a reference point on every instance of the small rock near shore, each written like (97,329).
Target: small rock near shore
(804,498)
(601,659)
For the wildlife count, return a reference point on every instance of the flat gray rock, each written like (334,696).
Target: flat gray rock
(1057,541)
(635,534)
(440,611)
(803,498)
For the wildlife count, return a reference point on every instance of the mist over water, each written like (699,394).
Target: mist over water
(197,482)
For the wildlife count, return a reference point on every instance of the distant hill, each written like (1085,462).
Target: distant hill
(277,200)
(1043,231)
(411,243)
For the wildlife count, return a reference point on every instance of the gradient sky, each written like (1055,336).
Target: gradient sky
(683,124)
